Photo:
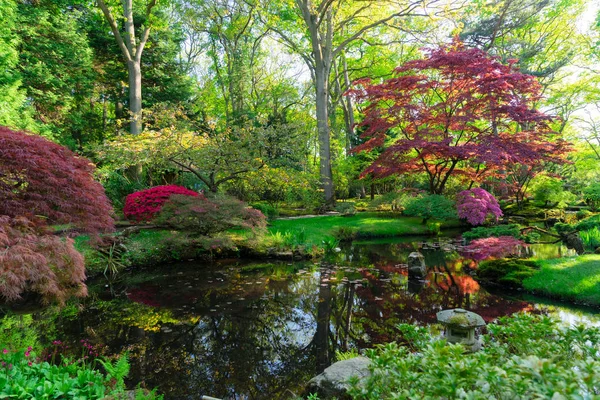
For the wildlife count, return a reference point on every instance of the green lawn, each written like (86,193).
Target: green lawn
(574,279)
(366,225)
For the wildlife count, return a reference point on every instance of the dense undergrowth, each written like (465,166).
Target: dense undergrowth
(523,357)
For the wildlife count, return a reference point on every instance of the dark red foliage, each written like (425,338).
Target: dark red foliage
(146,204)
(457,112)
(39,178)
(33,261)
(207,216)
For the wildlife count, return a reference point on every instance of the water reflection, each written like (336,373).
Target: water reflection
(259,331)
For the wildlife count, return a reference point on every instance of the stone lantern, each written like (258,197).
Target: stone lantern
(460,327)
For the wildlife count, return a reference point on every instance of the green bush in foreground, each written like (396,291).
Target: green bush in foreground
(24,377)
(482,232)
(524,357)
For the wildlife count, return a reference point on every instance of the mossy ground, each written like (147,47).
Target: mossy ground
(573,279)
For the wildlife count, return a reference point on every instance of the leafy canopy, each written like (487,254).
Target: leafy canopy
(456,112)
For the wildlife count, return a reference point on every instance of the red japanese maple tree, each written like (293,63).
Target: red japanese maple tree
(456,112)
(40,179)
(44,183)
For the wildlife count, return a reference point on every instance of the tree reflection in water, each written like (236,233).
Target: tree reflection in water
(260,331)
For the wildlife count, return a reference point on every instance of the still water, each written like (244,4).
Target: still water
(248,330)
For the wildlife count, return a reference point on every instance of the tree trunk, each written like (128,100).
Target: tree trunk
(135,97)
(321,83)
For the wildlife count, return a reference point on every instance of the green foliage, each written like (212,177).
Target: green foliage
(23,376)
(592,195)
(506,272)
(524,356)
(268,210)
(346,355)
(207,216)
(582,214)
(345,208)
(431,206)
(550,191)
(591,238)
(345,233)
(572,279)
(482,232)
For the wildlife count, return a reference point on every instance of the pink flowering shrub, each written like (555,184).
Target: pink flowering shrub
(493,247)
(146,204)
(476,204)
(206,216)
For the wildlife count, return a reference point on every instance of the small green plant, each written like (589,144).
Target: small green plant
(346,355)
(582,214)
(591,238)
(345,209)
(330,243)
(345,233)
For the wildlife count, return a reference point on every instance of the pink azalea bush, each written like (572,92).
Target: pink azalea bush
(146,204)
(475,205)
(493,247)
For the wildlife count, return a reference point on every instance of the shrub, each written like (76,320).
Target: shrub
(496,231)
(431,206)
(591,195)
(345,233)
(591,238)
(506,272)
(497,247)
(146,204)
(476,204)
(345,209)
(582,214)
(524,357)
(268,210)
(23,376)
(33,261)
(41,178)
(206,216)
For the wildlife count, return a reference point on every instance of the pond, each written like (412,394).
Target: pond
(256,330)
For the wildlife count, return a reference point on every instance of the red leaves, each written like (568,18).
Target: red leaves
(146,204)
(41,178)
(455,112)
(31,261)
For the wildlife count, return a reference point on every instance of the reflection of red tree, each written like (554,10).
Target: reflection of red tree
(464,283)
(144,296)
(391,268)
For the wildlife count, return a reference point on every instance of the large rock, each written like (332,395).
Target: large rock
(333,382)
(416,266)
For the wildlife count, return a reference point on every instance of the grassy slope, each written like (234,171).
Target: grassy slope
(574,279)
(366,224)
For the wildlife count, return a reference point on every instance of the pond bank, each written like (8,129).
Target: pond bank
(574,279)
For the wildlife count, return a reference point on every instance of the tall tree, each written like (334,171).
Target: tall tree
(320,31)
(132,50)
(456,112)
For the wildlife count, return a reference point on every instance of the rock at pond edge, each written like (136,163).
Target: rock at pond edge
(333,382)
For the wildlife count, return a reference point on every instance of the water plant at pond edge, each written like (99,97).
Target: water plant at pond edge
(524,356)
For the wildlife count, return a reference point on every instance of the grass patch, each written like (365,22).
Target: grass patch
(365,225)
(574,279)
